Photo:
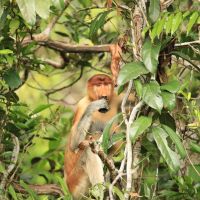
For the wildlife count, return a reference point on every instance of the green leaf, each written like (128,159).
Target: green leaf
(12,78)
(139,126)
(150,55)
(168,25)
(192,20)
(153,33)
(97,23)
(169,100)
(14,25)
(43,8)
(12,192)
(27,8)
(176,22)
(6,51)
(169,156)
(176,140)
(161,24)
(138,87)
(172,86)
(106,132)
(131,71)
(195,147)
(40,108)
(151,95)
(166,119)
(29,190)
(154,10)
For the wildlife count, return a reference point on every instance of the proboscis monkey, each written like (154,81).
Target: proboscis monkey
(83,168)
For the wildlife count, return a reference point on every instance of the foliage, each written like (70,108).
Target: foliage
(168,125)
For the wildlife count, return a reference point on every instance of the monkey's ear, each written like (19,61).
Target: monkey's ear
(116,51)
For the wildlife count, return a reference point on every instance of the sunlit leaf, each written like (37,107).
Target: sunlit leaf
(14,25)
(27,8)
(150,53)
(152,95)
(40,108)
(131,71)
(43,8)
(192,20)
(168,24)
(176,140)
(170,156)
(5,51)
(139,126)
(176,22)
(154,10)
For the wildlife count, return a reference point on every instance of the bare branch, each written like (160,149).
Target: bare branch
(197,42)
(69,48)
(13,162)
(50,189)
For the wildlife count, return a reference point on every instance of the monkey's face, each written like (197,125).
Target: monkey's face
(100,86)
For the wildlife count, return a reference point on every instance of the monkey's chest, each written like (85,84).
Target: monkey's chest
(97,126)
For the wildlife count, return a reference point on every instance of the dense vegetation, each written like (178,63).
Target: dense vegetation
(41,70)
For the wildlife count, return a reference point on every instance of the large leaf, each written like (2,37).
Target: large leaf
(12,78)
(168,24)
(27,8)
(172,86)
(176,22)
(195,147)
(40,108)
(106,132)
(150,55)
(97,23)
(193,19)
(166,119)
(176,140)
(170,156)
(6,51)
(169,100)
(42,8)
(154,10)
(151,96)
(131,71)
(139,126)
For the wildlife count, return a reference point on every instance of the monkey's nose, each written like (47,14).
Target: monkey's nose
(104,97)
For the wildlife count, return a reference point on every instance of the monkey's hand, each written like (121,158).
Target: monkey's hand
(86,143)
(100,105)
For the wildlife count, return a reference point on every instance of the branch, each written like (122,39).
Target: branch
(50,189)
(13,162)
(187,43)
(69,48)
(165,4)
(104,158)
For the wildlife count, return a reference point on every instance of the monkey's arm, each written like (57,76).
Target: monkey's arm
(80,130)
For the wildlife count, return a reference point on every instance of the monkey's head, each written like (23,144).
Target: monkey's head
(100,86)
